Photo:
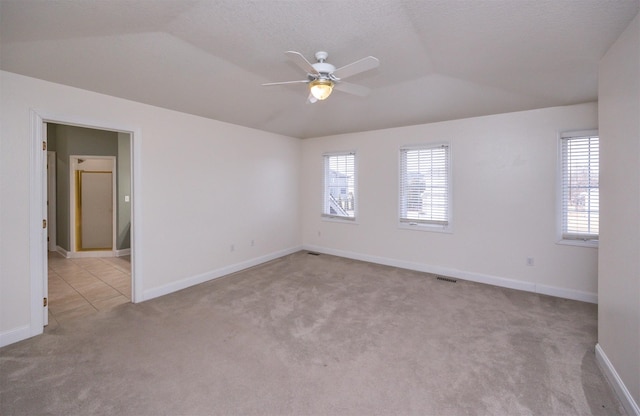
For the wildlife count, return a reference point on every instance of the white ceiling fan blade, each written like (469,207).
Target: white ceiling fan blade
(352,89)
(301,61)
(287,82)
(356,67)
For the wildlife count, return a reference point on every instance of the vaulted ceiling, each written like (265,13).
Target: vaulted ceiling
(439,59)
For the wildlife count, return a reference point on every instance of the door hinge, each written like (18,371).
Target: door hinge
(45,302)
(44,223)
(44,145)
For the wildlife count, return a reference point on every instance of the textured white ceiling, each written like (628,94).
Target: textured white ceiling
(440,59)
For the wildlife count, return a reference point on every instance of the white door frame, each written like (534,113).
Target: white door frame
(38,207)
(73,165)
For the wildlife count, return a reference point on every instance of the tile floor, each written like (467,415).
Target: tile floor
(81,287)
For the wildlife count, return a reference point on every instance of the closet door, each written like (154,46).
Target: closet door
(95,209)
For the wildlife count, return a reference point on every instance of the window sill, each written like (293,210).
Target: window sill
(579,243)
(336,218)
(426,227)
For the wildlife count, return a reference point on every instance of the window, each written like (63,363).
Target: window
(425,186)
(580,192)
(340,185)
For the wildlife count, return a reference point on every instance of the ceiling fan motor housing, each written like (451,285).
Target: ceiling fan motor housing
(324,68)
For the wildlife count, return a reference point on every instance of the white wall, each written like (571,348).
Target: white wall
(619,260)
(504,202)
(202,186)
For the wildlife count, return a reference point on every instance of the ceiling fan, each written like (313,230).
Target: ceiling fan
(323,77)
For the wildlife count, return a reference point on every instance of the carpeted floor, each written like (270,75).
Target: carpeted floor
(317,335)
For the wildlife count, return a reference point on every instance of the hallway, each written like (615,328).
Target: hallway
(83,286)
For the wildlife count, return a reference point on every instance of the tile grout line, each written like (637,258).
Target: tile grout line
(93,274)
(103,281)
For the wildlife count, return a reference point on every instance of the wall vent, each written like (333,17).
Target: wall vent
(313,254)
(446,279)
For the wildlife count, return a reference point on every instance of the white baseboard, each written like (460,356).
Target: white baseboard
(123,252)
(572,294)
(214,274)
(14,335)
(464,275)
(83,254)
(619,387)
(90,254)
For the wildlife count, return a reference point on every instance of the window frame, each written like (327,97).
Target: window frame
(563,237)
(325,169)
(427,225)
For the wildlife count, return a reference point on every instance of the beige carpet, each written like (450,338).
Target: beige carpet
(317,335)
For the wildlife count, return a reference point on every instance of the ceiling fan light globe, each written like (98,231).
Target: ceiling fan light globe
(321,89)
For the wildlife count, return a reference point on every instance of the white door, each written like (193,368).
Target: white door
(95,210)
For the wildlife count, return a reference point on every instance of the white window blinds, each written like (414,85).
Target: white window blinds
(424,185)
(340,185)
(580,187)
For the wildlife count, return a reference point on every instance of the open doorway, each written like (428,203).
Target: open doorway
(89,268)
(93,209)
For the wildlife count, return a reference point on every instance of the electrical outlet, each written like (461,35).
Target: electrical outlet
(530,261)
